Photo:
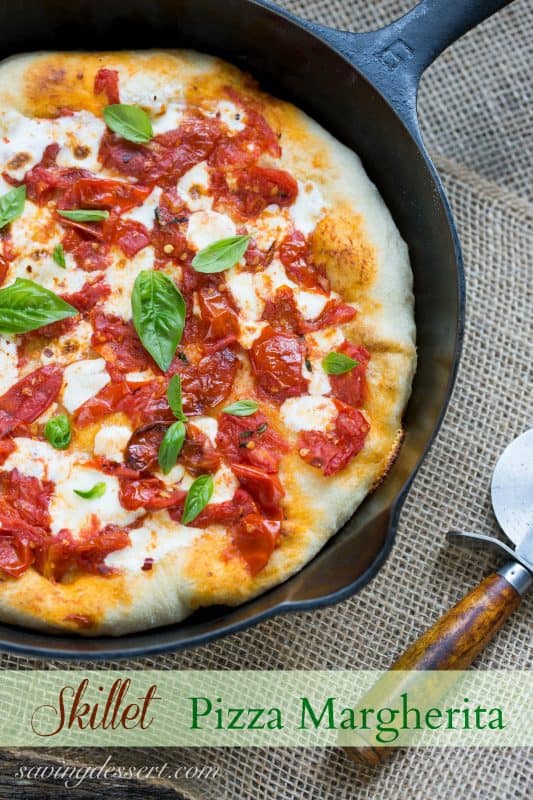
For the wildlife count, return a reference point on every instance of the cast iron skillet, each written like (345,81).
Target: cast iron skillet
(362,88)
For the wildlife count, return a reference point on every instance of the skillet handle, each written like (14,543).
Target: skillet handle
(452,643)
(394,57)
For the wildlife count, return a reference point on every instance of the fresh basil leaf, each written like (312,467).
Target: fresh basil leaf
(174,398)
(221,255)
(338,363)
(59,256)
(84,214)
(242,408)
(198,497)
(12,205)
(98,490)
(158,315)
(58,432)
(25,306)
(171,445)
(130,122)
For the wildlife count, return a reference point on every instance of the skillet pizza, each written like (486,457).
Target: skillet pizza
(206,338)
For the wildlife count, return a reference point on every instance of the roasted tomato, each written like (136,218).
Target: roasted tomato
(88,296)
(218,313)
(250,440)
(7,446)
(277,360)
(106,82)
(105,193)
(295,256)
(105,402)
(143,447)
(168,156)
(332,451)
(62,553)
(129,235)
(46,181)
(32,395)
(117,342)
(245,147)
(335,312)
(198,455)
(86,246)
(265,488)
(255,538)
(149,493)
(351,386)
(230,512)
(207,383)
(24,504)
(253,189)
(16,555)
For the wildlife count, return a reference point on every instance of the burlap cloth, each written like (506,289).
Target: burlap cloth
(475,117)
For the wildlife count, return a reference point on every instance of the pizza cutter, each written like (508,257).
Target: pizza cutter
(455,640)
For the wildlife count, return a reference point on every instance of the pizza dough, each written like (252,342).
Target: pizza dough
(326,271)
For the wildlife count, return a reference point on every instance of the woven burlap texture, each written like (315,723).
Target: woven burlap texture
(474,115)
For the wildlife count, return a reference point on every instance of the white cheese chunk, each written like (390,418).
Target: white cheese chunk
(82,380)
(242,288)
(145,214)
(8,363)
(273,225)
(111,441)
(121,277)
(69,347)
(206,227)
(170,119)
(310,304)
(208,426)
(37,459)
(68,510)
(140,377)
(158,537)
(79,136)
(193,188)
(308,207)
(225,485)
(230,114)
(249,332)
(308,413)
(318,379)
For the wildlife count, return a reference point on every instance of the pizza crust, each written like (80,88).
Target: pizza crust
(367,263)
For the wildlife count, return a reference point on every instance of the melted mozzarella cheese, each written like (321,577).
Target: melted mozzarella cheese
(111,441)
(145,214)
(308,413)
(208,426)
(273,225)
(225,485)
(228,113)
(140,377)
(79,136)
(206,227)
(8,363)
(193,188)
(121,277)
(37,459)
(318,379)
(23,141)
(242,288)
(308,207)
(321,343)
(69,347)
(158,537)
(169,120)
(82,380)
(68,510)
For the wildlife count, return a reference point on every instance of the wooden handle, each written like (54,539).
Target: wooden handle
(452,643)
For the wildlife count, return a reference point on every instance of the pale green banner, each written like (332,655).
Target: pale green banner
(265,709)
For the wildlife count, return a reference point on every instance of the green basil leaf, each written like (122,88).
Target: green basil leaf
(130,122)
(84,214)
(198,497)
(242,408)
(174,398)
(59,256)
(338,363)
(221,255)
(58,432)
(12,205)
(25,306)
(171,445)
(158,315)
(98,490)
